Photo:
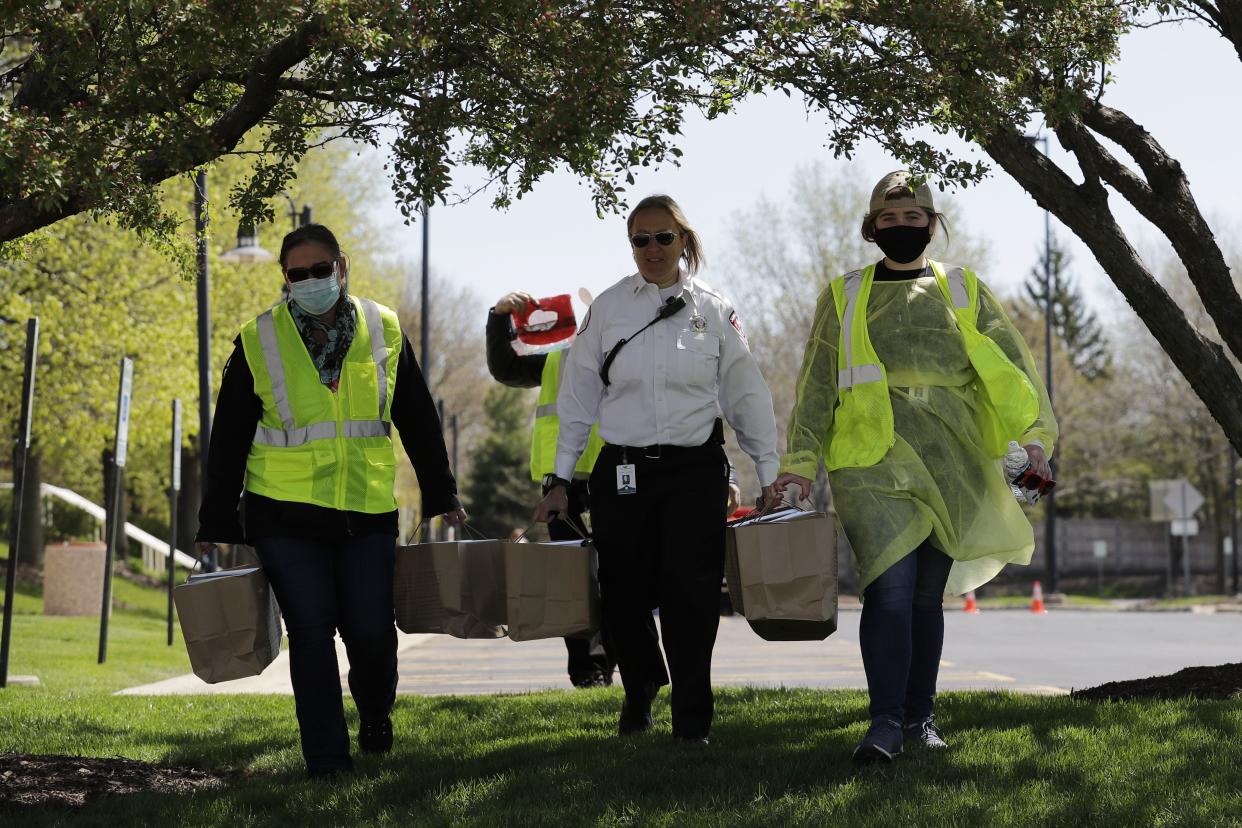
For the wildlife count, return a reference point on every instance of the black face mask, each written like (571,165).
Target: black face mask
(903,243)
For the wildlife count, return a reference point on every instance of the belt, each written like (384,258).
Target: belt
(660,451)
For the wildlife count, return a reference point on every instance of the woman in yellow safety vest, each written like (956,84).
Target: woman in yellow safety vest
(304,424)
(912,385)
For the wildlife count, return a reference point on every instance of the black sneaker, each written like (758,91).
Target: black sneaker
(691,741)
(925,733)
(881,744)
(636,710)
(596,679)
(330,772)
(375,737)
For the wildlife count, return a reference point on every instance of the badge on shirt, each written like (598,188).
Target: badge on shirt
(697,323)
(627,479)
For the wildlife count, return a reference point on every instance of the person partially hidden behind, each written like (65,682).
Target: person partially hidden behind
(590,660)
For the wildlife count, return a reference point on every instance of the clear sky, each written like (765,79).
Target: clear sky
(1181,82)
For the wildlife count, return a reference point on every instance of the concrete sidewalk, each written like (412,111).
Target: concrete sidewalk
(274,680)
(442,665)
(993,650)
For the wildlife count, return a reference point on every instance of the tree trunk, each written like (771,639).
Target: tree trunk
(1084,209)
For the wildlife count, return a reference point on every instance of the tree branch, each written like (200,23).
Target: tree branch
(1084,209)
(1225,16)
(1165,199)
(260,94)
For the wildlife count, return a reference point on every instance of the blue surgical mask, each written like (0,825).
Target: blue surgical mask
(316,296)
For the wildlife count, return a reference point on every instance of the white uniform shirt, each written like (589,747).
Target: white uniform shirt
(669,383)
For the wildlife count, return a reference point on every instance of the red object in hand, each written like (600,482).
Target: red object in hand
(546,321)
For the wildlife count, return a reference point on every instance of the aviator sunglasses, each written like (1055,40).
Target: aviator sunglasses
(319,270)
(664,239)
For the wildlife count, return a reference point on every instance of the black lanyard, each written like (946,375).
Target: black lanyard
(670,307)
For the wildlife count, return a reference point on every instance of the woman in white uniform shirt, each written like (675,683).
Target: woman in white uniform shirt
(660,486)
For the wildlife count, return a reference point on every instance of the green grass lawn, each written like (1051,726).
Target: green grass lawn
(778,757)
(1192,600)
(63,651)
(1015,601)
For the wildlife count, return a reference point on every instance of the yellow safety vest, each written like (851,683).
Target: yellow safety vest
(548,426)
(862,426)
(314,446)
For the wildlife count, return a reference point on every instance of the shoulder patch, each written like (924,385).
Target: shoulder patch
(737,325)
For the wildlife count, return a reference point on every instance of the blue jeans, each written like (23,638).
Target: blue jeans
(902,633)
(322,587)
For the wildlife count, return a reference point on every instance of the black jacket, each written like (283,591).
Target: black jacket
(238,410)
(505,364)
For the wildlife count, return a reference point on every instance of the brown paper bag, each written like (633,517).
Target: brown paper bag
(454,587)
(230,622)
(782,574)
(553,590)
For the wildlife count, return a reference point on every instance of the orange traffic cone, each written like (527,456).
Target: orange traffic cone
(971,606)
(1037,599)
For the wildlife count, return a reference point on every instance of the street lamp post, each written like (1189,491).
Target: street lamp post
(297,218)
(426,318)
(1050,507)
(204,327)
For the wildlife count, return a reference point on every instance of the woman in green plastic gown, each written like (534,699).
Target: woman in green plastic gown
(919,489)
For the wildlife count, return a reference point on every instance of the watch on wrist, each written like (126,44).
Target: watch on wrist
(551,481)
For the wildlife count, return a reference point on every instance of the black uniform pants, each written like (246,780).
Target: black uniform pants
(663,547)
(587,656)
(324,586)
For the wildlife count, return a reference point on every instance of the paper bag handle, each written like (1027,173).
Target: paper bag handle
(574,526)
(418,530)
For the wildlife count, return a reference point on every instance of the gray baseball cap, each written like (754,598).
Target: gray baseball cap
(920,196)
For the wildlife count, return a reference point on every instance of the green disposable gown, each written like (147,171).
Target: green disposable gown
(936,480)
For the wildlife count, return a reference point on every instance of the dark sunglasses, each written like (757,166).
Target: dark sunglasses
(663,239)
(319,270)
(1033,482)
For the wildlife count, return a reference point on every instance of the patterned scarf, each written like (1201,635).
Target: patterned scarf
(329,354)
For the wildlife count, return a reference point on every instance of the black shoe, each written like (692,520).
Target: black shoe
(924,733)
(597,679)
(692,741)
(636,710)
(329,772)
(375,737)
(881,744)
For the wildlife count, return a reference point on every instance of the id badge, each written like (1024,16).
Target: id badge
(627,480)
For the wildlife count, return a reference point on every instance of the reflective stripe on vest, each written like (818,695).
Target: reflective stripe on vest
(379,351)
(293,436)
(288,438)
(853,374)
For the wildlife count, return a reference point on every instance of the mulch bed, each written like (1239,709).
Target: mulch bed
(72,780)
(1221,682)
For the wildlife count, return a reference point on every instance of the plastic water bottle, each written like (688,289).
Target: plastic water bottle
(1015,462)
